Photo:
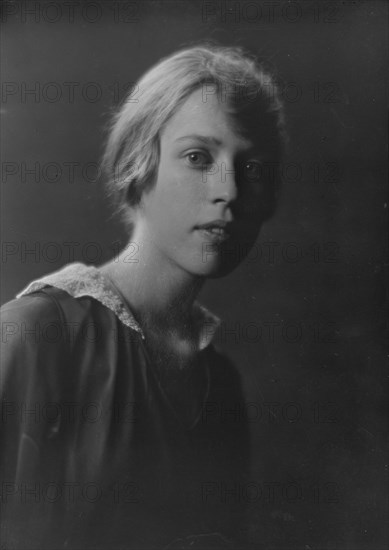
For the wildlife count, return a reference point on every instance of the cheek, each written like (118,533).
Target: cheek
(179,191)
(175,200)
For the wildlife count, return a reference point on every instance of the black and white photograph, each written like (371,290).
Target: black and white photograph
(194,275)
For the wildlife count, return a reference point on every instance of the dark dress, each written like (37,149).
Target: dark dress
(96,454)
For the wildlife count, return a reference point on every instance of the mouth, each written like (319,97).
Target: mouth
(216,230)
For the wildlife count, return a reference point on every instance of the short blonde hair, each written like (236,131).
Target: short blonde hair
(131,155)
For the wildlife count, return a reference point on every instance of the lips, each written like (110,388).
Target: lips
(217,230)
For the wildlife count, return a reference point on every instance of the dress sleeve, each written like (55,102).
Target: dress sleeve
(34,349)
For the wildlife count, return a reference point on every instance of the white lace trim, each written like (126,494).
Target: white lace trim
(78,279)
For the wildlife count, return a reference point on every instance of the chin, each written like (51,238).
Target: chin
(218,264)
(231,254)
(215,260)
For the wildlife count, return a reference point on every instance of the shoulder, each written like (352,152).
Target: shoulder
(56,346)
(31,307)
(46,327)
(47,310)
(31,312)
(87,291)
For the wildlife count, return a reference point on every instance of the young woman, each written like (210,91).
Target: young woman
(111,387)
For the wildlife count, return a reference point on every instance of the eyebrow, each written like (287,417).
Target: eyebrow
(209,140)
(205,139)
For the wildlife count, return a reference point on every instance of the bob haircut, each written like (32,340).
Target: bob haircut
(131,156)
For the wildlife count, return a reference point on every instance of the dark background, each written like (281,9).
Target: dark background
(321,371)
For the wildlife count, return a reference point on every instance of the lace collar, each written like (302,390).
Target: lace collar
(78,279)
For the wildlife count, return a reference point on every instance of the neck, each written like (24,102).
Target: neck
(159,292)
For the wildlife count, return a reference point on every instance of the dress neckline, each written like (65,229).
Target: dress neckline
(79,280)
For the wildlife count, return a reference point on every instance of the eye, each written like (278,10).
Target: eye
(197,158)
(252,171)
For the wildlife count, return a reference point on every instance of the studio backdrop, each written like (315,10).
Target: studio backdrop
(303,316)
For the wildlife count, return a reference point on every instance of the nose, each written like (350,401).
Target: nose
(223,183)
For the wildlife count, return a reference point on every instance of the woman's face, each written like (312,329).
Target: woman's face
(203,213)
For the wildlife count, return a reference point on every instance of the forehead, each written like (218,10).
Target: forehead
(208,115)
